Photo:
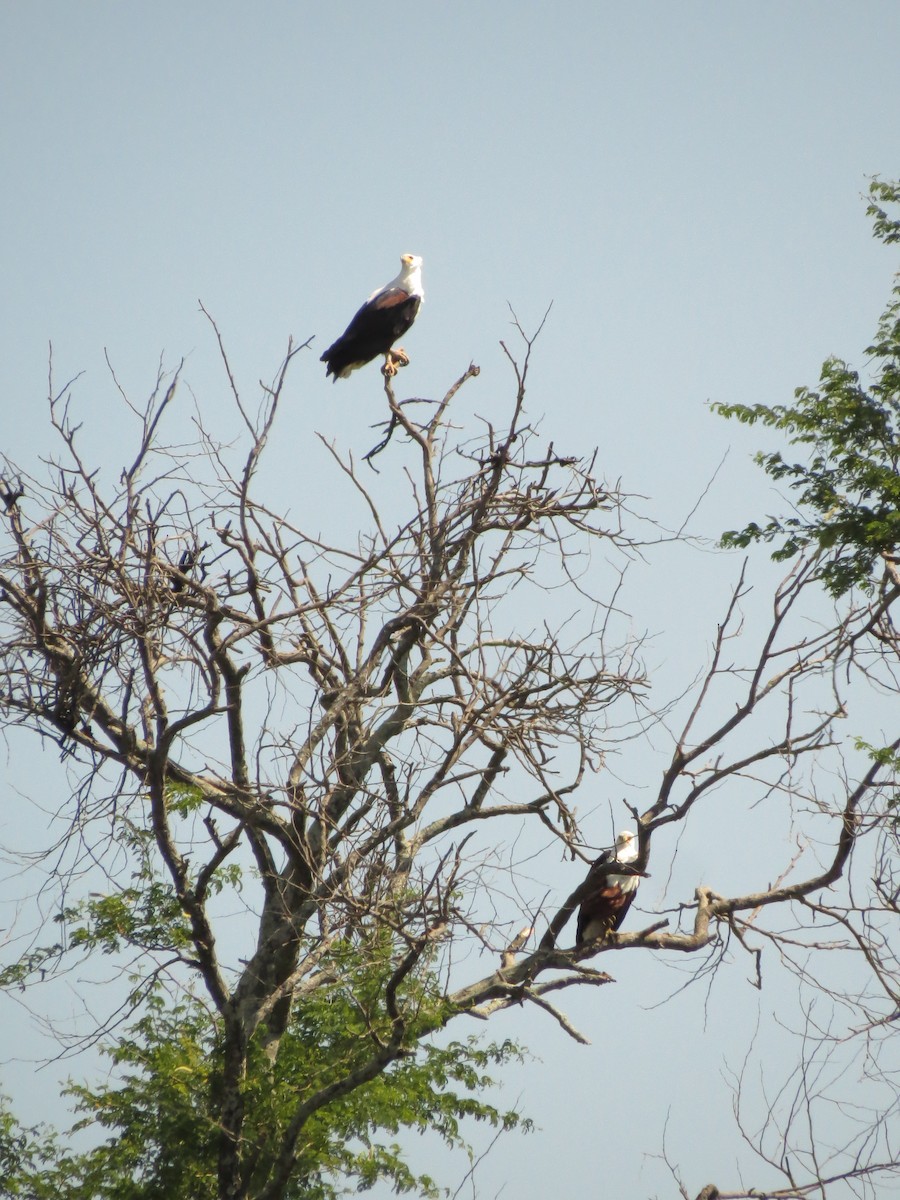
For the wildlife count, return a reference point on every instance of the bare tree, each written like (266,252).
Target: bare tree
(333,723)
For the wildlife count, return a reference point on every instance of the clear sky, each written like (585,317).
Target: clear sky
(682,181)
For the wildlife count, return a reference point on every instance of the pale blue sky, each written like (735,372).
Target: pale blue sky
(683,182)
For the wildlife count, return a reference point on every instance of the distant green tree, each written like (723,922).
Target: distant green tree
(847,488)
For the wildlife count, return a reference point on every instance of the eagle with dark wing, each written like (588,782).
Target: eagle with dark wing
(382,320)
(604,907)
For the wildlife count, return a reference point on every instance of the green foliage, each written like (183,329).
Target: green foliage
(157,1122)
(159,1116)
(30,1161)
(18,1152)
(884,755)
(156,1125)
(889,758)
(148,917)
(159,1111)
(145,916)
(32,965)
(847,491)
(183,799)
(885,227)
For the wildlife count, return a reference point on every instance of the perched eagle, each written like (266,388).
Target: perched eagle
(385,317)
(604,907)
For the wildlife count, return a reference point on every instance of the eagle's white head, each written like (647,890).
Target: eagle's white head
(626,846)
(410,277)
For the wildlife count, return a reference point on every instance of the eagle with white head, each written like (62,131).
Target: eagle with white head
(382,320)
(604,907)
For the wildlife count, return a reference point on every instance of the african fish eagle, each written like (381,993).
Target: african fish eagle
(385,317)
(604,907)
